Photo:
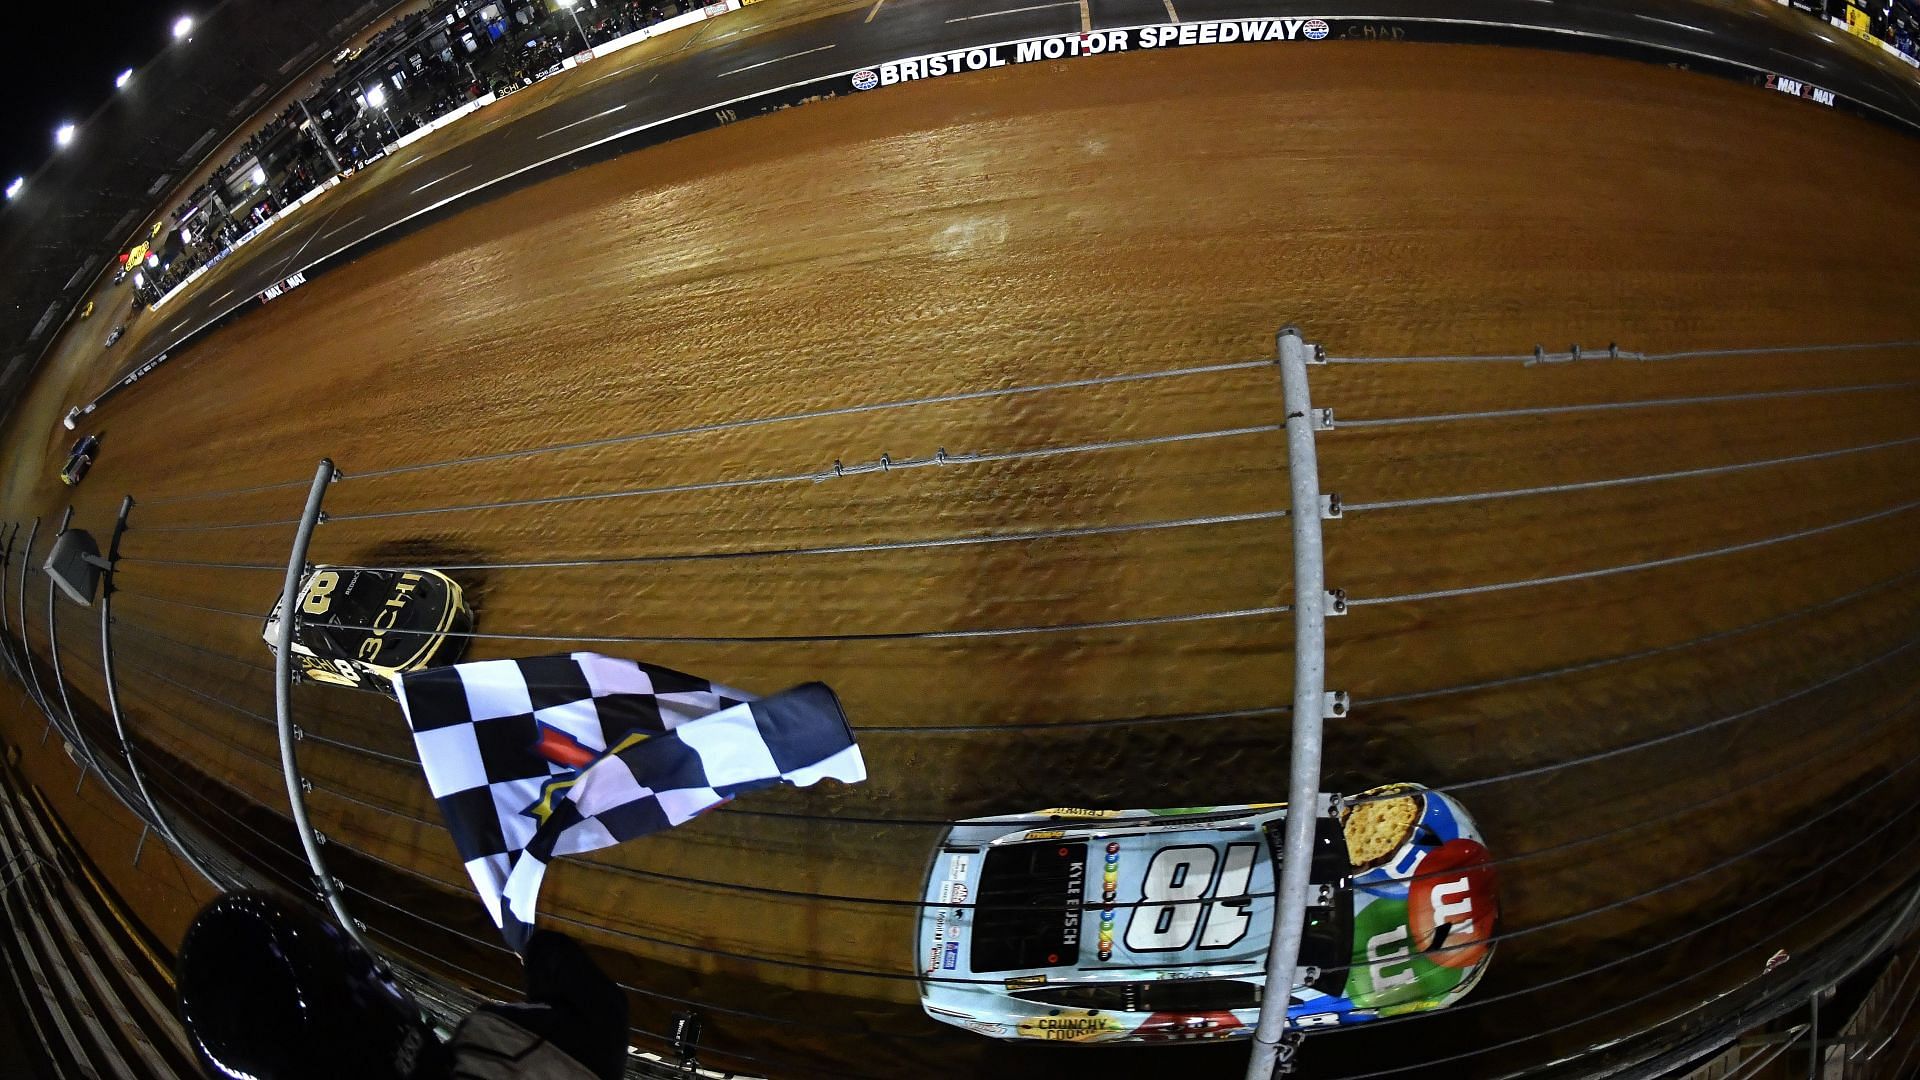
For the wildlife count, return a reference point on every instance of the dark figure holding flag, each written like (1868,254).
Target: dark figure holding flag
(528,760)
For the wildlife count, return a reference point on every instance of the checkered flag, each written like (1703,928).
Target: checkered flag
(555,755)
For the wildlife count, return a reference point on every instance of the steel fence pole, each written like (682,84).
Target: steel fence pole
(71,729)
(6,624)
(155,818)
(26,649)
(1272,1046)
(310,840)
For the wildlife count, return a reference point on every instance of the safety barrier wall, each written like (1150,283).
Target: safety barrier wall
(1307,432)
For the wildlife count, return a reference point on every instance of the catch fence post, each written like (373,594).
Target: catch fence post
(283,704)
(1274,1046)
(71,730)
(26,649)
(6,628)
(6,625)
(155,818)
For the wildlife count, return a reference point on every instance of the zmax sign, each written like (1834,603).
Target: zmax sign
(1061,46)
(1796,88)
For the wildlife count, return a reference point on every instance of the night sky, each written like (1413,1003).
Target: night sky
(62,58)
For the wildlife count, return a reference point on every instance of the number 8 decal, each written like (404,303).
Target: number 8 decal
(319,593)
(1176,881)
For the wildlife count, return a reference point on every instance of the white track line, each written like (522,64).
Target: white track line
(874,11)
(437,179)
(1670,22)
(577,123)
(224,295)
(1172,15)
(337,228)
(775,60)
(1018,10)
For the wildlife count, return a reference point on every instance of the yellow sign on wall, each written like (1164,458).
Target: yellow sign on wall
(1858,22)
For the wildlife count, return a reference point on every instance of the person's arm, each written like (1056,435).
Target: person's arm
(572,1004)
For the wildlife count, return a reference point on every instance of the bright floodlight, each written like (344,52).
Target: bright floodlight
(139,280)
(376,96)
(182,27)
(569,3)
(259,176)
(120,80)
(153,259)
(13,189)
(63,134)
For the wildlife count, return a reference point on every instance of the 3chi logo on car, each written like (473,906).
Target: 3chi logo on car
(866,79)
(1315,29)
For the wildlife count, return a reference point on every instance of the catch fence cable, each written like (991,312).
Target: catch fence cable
(1852,796)
(1463,785)
(1633,567)
(1363,601)
(1642,654)
(942,460)
(1540,356)
(1898,853)
(751,422)
(1625,481)
(747,639)
(1282,709)
(1622,406)
(1692,877)
(1065,532)
(1655,740)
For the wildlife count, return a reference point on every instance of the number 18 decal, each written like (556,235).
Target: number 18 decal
(1176,882)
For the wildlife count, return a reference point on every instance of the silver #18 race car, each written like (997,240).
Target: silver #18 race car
(360,627)
(1152,925)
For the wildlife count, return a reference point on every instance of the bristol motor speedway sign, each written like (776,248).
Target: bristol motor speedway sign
(1091,43)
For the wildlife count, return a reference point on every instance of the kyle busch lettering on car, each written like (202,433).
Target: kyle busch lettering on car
(359,627)
(1152,925)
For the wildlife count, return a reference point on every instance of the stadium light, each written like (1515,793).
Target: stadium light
(13,189)
(182,27)
(259,176)
(139,280)
(120,80)
(376,96)
(153,259)
(63,134)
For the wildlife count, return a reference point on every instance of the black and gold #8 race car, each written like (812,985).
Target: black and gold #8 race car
(359,627)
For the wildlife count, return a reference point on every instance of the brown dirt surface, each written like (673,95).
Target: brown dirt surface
(1054,222)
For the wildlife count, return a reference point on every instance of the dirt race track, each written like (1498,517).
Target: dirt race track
(1040,224)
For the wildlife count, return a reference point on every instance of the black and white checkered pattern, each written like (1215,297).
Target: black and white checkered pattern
(478,728)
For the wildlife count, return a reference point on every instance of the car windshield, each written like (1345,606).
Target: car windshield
(1028,914)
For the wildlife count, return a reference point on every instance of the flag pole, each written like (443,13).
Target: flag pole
(310,840)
